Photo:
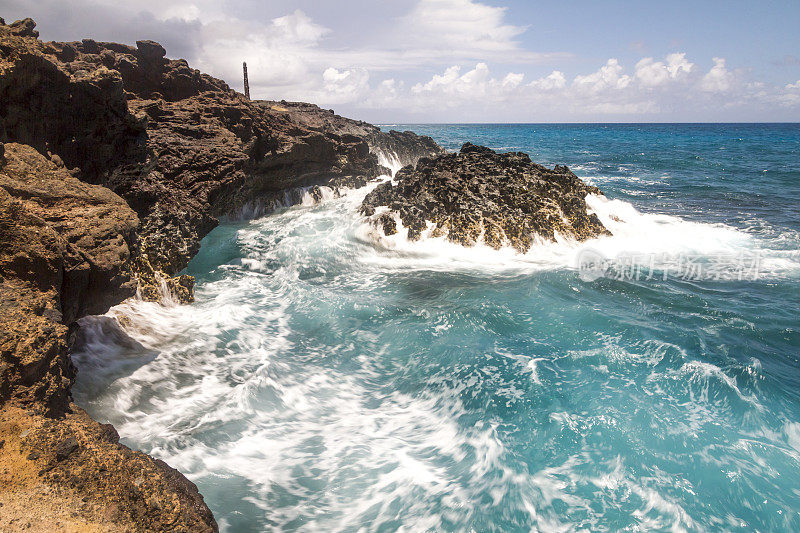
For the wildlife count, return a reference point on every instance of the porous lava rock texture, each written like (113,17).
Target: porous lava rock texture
(477,194)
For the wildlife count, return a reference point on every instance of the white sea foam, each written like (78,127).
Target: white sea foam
(389,160)
(229,392)
(288,423)
(303,196)
(657,241)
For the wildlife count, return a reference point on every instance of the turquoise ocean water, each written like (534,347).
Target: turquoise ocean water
(329,379)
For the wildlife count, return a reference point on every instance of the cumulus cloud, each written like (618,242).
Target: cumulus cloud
(651,73)
(453,51)
(346,85)
(554,80)
(655,86)
(719,78)
(452,89)
(512,80)
(609,76)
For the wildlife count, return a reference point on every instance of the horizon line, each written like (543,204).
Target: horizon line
(578,123)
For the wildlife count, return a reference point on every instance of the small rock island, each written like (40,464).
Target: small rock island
(479,194)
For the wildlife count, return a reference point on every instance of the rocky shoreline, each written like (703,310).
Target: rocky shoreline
(115,162)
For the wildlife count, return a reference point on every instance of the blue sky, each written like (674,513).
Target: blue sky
(474,60)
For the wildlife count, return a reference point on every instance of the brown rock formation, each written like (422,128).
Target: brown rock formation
(407,146)
(179,146)
(65,251)
(72,474)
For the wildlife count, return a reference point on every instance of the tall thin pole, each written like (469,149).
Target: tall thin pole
(246,83)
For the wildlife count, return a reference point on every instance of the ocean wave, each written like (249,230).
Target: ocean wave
(389,160)
(305,196)
(326,380)
(289,428)
(317,402)
(660,242)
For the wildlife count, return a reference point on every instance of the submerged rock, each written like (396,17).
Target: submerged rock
(479,194)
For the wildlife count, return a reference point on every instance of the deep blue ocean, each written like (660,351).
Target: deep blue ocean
(331,379)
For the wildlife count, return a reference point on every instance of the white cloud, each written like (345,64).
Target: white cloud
(346,85)
(554,80)
(791,95)
(287,56)
(460,25)
(472,84)
(296,56)
(445,80)
(609,76)
(298,28)
(386,94)
(719,78)
(513,80)
(656,86)
(451,88)
(651,73)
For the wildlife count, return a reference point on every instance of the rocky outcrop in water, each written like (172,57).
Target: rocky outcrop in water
(478,194)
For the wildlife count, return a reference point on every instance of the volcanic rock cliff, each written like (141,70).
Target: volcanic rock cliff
(478,194)
(179,146)
(114,163)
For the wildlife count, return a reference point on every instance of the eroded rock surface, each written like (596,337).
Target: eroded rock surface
(478,194)
(65,252)
(406,146)
(71,474)
(65,249)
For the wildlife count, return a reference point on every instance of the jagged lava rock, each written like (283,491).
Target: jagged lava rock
(179,148)
(502,198)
